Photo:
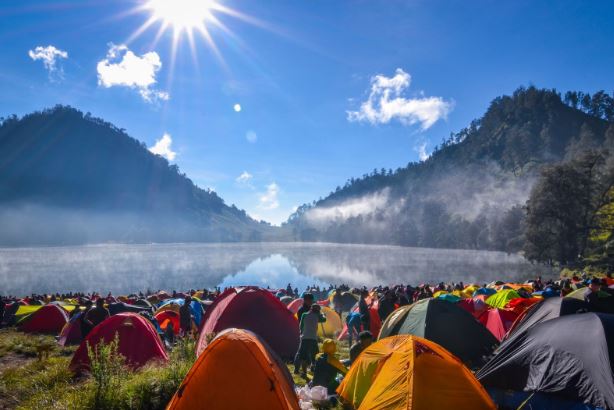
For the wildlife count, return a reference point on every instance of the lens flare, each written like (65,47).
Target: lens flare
(182,14)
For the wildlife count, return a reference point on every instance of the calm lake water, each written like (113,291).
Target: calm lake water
(129,268)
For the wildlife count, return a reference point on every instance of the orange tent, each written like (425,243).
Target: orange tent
(236,370)
(409,372)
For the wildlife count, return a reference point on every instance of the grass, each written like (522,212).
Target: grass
(29,383)
(34,384)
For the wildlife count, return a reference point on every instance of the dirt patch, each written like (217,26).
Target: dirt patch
(12,360)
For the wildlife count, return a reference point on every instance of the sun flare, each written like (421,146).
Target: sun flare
(182,14)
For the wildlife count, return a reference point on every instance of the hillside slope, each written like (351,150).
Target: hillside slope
(66,177)
(469,193)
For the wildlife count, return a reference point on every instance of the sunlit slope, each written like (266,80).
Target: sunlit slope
(469,193)
(66,177)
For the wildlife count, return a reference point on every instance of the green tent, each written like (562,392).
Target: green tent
(446,324)
(500,299)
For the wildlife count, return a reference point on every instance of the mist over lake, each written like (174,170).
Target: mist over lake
(132,268)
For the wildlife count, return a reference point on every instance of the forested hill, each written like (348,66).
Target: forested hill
(470,193)
(66,177)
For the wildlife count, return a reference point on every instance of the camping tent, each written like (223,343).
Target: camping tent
(375,323)
(48,319)
(237,370)
(254,309)
(295,305)
(333,325)
(71,332)
(473,305)
(498,321)
(445,324)
(567,358)
(138,341)
(549,309)
(409,372)
(502,298)
(168,316)
(175,304)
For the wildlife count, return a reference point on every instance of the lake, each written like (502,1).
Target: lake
(131,268)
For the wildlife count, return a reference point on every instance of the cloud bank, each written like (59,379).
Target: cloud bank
(49,56)
(121,67)
(163,148)
(386,103)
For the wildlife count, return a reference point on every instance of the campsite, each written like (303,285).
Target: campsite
(306,205)
(498,345)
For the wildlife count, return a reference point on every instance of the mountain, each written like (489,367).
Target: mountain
(67,177)
(471,191)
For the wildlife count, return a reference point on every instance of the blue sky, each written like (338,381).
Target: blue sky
(328,89)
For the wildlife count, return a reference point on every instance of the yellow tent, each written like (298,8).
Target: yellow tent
(501,298)
(411,373)
(333,325)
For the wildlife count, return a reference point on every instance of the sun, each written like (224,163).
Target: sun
(182,14)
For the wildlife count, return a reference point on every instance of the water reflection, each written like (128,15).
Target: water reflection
(128,268)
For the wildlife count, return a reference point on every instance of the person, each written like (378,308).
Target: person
(327,367)
(363,310)
(308,345)
(353,323)
(2,308)
(364,340)
(85,327)
(306,307)
(386,305)
(337,302)
(96,315)
(169,334)
(185,316)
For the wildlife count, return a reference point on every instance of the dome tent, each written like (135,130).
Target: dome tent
(333,325)
(409,372)
(71,332)
(138,341)
(237,370)
(549,309)
(552,362)
(49,319)
(446,324)
(253,309)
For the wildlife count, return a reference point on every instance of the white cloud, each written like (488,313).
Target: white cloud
(244,178)
(237,107)
(385,103)
(251,136)
(421,150)
(269,199)
(49,56)
(121,67)
(163,148)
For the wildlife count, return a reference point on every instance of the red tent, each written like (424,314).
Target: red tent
(48,319)
(138,341)
(475,306)
(521,305)
(71,332)
(168,316)
(253,309)
(498,321)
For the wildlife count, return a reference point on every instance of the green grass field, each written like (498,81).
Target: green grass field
(30,382)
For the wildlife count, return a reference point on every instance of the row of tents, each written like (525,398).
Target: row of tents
(548,352)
